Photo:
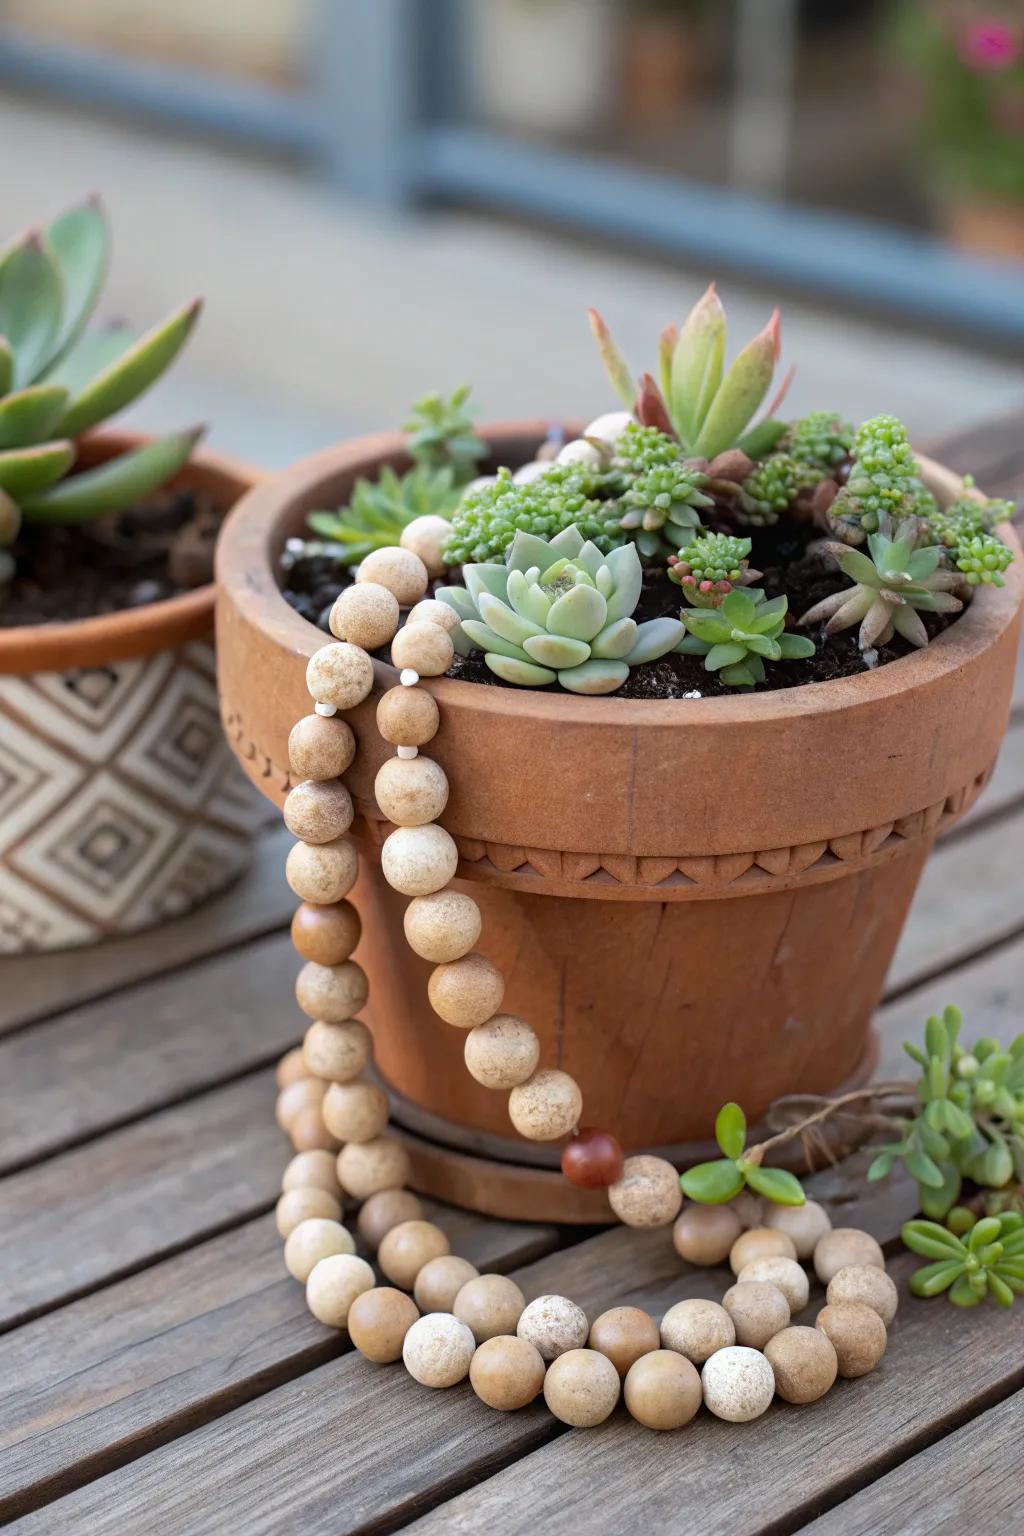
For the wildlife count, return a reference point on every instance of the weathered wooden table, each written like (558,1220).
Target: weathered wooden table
(159,1370)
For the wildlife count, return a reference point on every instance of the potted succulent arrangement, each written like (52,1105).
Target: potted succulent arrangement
(119,805)
(710,682)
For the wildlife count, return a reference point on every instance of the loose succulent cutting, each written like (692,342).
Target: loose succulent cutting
(894,585)
(59,380)
(709,567)
(717,1182)
(737,638)
(558,610)
(565,495)
(987,1261)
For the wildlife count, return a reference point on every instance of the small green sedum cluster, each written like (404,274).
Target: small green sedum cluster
(565,495)
(709,568)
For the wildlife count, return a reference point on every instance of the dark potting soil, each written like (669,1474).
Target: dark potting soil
(126,560)
(310,583)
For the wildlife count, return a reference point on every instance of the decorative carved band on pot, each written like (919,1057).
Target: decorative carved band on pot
(690,900)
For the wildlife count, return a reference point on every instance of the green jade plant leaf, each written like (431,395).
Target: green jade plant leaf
(720,1181)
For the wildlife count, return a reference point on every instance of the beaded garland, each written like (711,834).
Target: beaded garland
(457,1323)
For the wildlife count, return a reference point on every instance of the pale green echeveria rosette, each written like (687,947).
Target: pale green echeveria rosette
(558,610)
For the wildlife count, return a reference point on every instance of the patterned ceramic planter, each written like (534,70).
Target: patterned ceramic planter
(120,802)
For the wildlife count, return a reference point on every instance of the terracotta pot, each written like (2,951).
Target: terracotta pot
(690,901)
(119,803)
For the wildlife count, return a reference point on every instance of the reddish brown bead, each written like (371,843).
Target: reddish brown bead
(593,1159)
(327,934)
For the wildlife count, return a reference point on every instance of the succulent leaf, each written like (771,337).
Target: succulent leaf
(27,471)
(697,362)
(712,1183)
(80,241)
(114,485)
(741,392)
(594,676)
(615,365)
(30,416)
(123,380)
(31,295)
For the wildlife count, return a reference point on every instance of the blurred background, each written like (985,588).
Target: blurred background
(379,197)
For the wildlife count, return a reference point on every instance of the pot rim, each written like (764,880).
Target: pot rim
(132,632)
(253,536)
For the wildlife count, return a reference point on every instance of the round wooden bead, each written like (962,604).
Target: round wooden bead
(806,1224)
(408,717)
(489,1305)
(313,1240)
(427,648)
(320,748)
(760,1243)
(378,1321)
(547,1106)
(467,991)
(440,1281)
(297,1097)
(318,812)
(648,1193)
(442,927)
(624,1334)
(338,1052)
(418,860)
(804,1364)
(503,1052)
(291,1068)
(366,614)
(366,1167)
(843,1246)
(553,1324)
(356,1111)
(663,1390)
(593,1159)
(581,1388)
(758,1310)
(326,934)
(308,1132)
(400,570)
(333,1286)
(506,1373)
(407,1247)
(411,790)
(297,1205)
(334,993)
(857,1335)
(312,1170)
(438,1350)
(324,872)
(866,1284)
(738,1384)
(785,1274)
(430,611)
(704,1234)
(426,536)
(384,1210)
(339,674)
(697,1328)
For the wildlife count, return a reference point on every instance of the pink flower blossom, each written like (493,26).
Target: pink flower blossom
(989,46)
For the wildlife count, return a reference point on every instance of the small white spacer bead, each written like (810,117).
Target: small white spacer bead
(326,709)
(408,751)
(409,677)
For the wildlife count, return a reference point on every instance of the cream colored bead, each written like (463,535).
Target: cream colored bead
(312,1170)
(426,536)
(333,1286)
(704,1234)
(697,1328)
(774,1269)
(297,1205)
(506,1373)
(366,614)
(406,1249)
(866,1284)
(440,1281)
(489,1305)
(378,1322)
(322,873)
(418,860)
(857,1335)
(842,1246)
(313,1240)
(442,927)
(430,611)
(466,992)
(308,1132)
(408,717)
(758,1310)
(338,1052)
(427,648)
(806,1224)
(291,1068)
(503,1052)
(738,1384)
(804,1363)
(318,812)
(411,791)
(356,1111)
(297,1097)
(366,1167)
(553,1324)
(648,1194)
(384,1210)
(339,674)
(438,1350)
(334,993)
(400,570)
(319,748)
(760,1243)
(547,1106)
(581,1388)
